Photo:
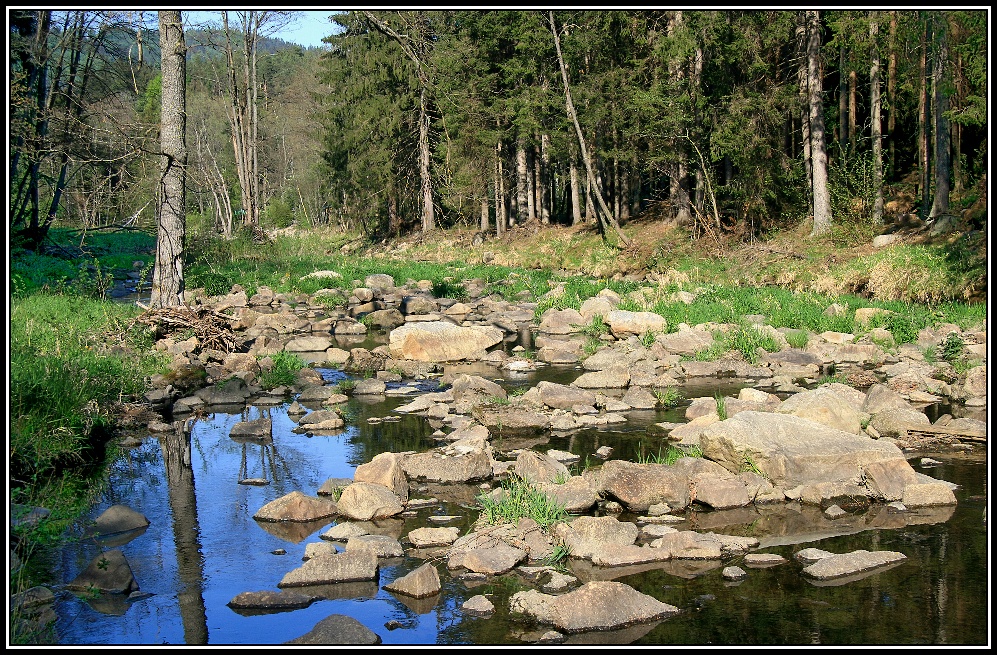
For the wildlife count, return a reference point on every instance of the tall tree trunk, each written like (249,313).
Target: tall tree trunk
(922,122)
(842,103)
(522,185)
(484,213)
(607,216)
(501,215)
(877,141)
(891,95)
(818,148)
(576,199)
(531,183)
(545,197)
(853,140)
(939,107)
(803,77)
(425,181)
(167,276)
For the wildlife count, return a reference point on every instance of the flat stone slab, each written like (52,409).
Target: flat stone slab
(599,605)
(271,601)
(343,567)
(845,564)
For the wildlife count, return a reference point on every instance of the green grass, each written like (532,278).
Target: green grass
(520,499)
(668,397)
(283,372)
(721,406)
(797,339)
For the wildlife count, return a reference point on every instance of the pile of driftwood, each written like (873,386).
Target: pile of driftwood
(212,329)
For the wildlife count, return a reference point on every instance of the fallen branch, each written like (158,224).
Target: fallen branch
(212,329)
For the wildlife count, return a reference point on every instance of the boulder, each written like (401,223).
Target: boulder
(789,450)
(441,341)
(598,605)
(296,507)
(420,583)
(363,501)
(338,629)
(623,323)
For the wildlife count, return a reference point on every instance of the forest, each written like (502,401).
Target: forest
(729,122)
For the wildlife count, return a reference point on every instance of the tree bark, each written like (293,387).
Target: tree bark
(842,101)
(425,181)
(818,147)
(891,94)
(939,106)
(167,276)
(876,130)
(922,123)
(522,184)
(607,216)
(803,77)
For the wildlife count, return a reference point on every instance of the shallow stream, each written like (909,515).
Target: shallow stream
(203,547)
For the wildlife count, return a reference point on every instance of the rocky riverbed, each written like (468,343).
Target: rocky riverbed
(809,459)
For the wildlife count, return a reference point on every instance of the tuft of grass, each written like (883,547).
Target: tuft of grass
(952,347)
(668,397)
(797,339)
(283,372)
(520,499)
(721,406)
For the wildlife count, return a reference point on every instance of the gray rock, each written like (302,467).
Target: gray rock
(363,501)
(298,507)
(789,450)
(734,573)
(837,566)
(272,601)
(420,583)
(381,545)
(599,605)
(338,629)
(119,518)
(108,571)
(342,567)
(478,606)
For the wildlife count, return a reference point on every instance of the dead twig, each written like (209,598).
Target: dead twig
(212,329)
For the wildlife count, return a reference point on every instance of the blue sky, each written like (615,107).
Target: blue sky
(308,30)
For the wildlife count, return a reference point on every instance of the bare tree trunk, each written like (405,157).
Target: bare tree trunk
(425,181)
(545,196)
(167,276)
(522,185)
(922,123)
(607,216)
(940,105)
(803,76)
(484,213)
(891,94)
(576,206)
(818,150)
(842,102)
(501,215)
(853,140)
(877,137)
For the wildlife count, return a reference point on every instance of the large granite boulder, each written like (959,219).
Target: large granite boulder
(790,451)
(599,605)
(441,341)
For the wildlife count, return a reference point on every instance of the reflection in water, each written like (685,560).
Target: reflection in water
(180,481)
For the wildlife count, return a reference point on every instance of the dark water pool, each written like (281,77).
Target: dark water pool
(203,548)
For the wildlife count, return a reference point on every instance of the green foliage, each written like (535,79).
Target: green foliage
(721,406)
(447,288)
(284,371)
(669,396)
(214,284)
(952,347)
(797,339)
(647,339)
(558,557)
(520,499)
